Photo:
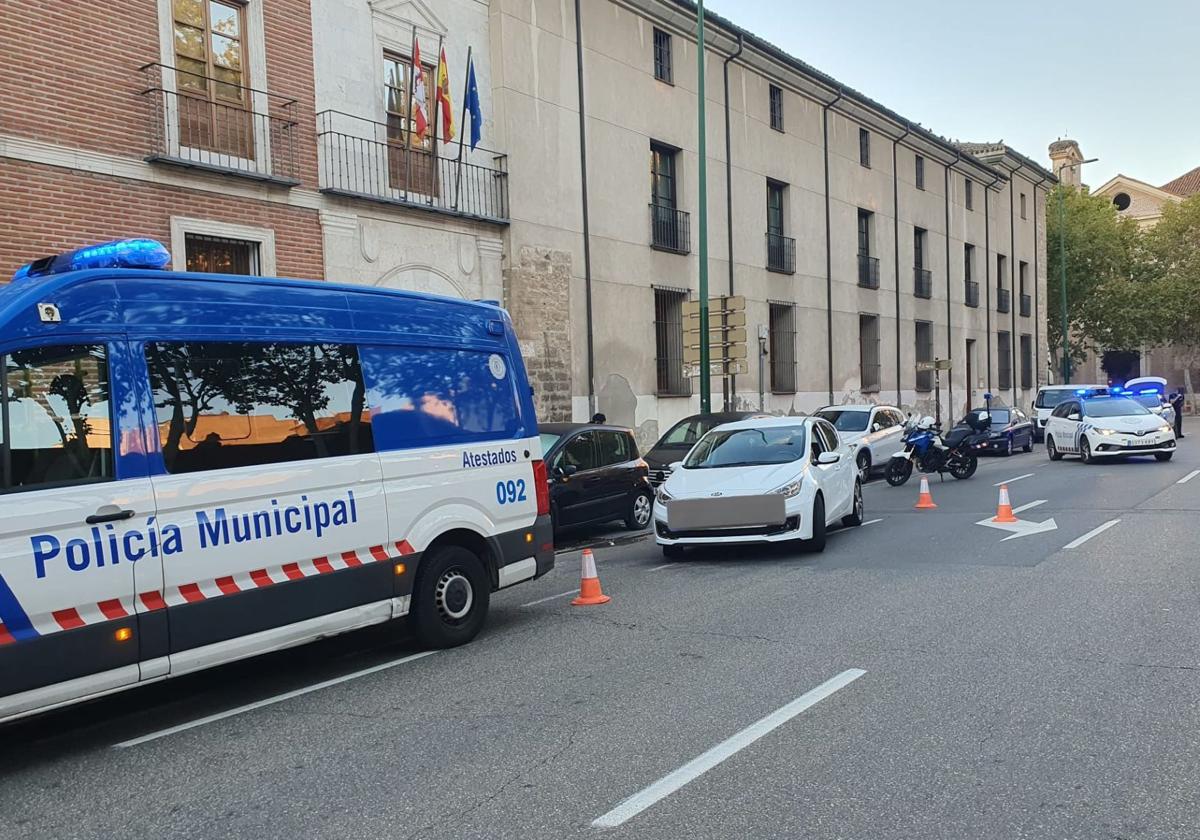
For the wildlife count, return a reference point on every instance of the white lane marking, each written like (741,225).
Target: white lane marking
(270,701)
(1188,477)
(550,598)
(847,530)
(704,762)
(1018,478)
(1029,506)
(663,566)
(1092,533)
(871,522)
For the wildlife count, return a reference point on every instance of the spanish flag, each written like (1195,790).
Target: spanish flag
(443,95)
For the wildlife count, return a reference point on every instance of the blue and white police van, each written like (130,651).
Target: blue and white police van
(198,468)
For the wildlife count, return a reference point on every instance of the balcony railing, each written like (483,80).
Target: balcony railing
(382,162)
(923,283)
(669,229)
(1026,306)
(781,253)
(1003,301)
(868,271)
(972,292)
(203,123)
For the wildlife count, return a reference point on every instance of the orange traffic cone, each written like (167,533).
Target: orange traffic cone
(589,586)
(925,501)
(1004,509)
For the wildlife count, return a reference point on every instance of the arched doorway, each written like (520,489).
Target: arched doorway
(1121,365)
(421,278)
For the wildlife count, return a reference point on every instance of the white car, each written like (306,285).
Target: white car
(760,480)
(876,432)
(1049,396)
(1106,427)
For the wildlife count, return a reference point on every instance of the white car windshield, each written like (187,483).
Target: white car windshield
(747,448)
(1112,408)
(845,420)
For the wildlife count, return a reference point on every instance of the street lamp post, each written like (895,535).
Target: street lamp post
(1062,266)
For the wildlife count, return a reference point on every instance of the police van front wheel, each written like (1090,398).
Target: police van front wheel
(450,600)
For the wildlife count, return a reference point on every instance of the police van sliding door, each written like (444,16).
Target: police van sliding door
(269,496)
(75,507)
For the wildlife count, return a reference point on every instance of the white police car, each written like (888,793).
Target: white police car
(197,468)
(1107,427)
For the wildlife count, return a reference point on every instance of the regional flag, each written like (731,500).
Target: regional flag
(473,108)
(420,121)
(443,95)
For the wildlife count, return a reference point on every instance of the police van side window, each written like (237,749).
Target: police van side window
(55,418)
(242,404)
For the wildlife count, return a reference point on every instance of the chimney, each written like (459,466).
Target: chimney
(1063,153)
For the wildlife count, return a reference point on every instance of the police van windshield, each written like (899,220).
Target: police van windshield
(747,448)
(1112,408)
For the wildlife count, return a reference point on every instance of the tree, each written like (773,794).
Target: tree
(1170,260)
(1102,251)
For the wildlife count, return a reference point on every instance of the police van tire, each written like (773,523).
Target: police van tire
(450,599)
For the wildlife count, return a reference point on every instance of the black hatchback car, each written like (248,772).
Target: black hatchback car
(596,475)
(672,446)
(1010,428)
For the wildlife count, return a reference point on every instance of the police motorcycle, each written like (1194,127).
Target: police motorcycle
(925,448)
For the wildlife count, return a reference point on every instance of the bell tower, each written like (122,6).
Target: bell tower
(1064,153)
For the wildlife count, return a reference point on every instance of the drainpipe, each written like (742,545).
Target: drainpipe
(987,274)
(1015,303)
(896,243)
(1037,370)
(587,245)
(731,380)
(949,330)
(828,245)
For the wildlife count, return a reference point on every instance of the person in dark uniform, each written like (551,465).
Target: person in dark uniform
(599,418)
(1177,404)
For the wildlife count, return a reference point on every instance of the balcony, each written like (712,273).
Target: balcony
(199,123)
(781,253)
(669,229)
(1026,306)
(972,293)
(923,283)
(1003,301)
(381,162)
(868,271)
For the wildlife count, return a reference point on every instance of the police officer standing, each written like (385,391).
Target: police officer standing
(1177,404)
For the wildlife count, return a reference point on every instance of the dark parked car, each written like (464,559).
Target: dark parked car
(672,446)
(1010,428)
(596,475)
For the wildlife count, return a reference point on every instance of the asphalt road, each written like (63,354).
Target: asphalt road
(1013,688)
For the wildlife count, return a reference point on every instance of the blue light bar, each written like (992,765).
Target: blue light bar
(1150,391)
(1080,391)
(121,253)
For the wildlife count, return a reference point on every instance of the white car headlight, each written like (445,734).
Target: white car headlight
(1165,427)
(1100,431)
(788,490)
(662,494)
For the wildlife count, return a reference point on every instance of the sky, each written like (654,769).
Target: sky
(1121,78)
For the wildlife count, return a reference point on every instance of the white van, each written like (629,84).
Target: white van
(1048,396)
(198,468)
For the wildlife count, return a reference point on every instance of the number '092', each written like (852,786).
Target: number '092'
(508,492)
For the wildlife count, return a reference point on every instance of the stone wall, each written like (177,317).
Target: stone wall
(537,286)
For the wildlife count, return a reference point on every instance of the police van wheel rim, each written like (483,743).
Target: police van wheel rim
(454,596)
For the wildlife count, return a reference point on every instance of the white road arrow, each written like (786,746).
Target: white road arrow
(1022,527)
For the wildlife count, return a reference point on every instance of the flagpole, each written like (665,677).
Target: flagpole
(461,127)
(437,101)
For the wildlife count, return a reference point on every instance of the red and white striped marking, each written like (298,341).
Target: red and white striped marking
(5,637)
(193,593)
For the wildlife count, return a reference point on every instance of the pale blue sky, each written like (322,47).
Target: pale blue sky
(1121,78)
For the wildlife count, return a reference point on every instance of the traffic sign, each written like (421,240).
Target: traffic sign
(691,323)
(719,353)
(738,366)
(935,364)
(717,337)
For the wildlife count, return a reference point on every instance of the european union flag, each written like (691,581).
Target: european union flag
(473,106)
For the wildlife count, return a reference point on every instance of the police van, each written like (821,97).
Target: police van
(198,468)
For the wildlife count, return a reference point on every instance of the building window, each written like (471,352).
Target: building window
(1023,216)
(1026,301)
(968,193)
(922,277)
(662,57)
(668,225)
(220,255)
(971,288)
(210,75)
(783,348)
(1003,294)
(1004,362)
(1026,361)
(868,266)
(781,250)
(924,349)
(55,418)
(411,166)
(668,341)
(920,172)
(776,96)
(864,147)
(868,352)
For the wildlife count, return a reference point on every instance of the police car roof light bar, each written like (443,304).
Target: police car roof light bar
(120,253)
